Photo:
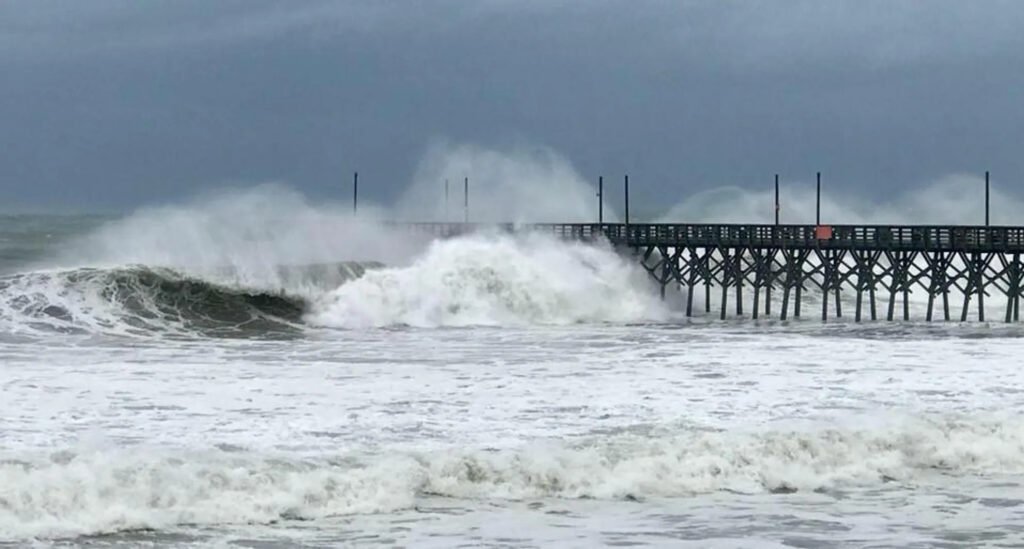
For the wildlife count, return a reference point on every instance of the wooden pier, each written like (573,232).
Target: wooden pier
(878,266)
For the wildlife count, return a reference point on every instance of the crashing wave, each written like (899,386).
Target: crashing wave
(142,300)
(496,280)
(484,279)
(89,492)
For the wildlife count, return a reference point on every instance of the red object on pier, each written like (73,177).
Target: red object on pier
(823,232)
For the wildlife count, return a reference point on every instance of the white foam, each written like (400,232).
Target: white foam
(486,279)
(102,491)
(50,301)
(496,280)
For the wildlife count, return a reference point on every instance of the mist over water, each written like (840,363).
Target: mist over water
(955,199)
(251,231)
(521,185)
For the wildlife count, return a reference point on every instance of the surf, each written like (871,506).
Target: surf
(77,492)
(139,300)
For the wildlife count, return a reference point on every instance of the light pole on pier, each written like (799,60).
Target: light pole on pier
(986,199)
(626,188)
(817,204)
(776,199)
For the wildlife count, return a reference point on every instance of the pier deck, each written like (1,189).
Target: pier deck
(945,238)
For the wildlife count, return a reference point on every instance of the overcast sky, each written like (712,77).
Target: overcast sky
(111,104)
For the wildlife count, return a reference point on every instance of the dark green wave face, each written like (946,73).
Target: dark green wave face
(151,298)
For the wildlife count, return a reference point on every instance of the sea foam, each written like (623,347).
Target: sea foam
(88,492)
(492,279)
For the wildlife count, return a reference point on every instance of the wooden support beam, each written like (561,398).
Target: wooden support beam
(934,282)
(865,261)
(666,268)
(894,281)
(839,257)
(826,282)
(969,264)
(908,261)
(980,286)
(693,260)
(1016,290)
(707,280)
(871,289)
(772,275)
(725,282)
(788,283)
(947,260)
(758,280)
(863,273)
(1009,269)
(799,267)
(738,277)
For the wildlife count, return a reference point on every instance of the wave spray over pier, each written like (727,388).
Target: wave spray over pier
(880,266)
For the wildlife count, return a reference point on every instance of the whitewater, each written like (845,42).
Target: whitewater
(169,379)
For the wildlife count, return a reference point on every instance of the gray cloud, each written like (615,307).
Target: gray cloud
(115,103)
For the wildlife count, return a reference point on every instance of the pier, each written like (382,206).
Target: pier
(878,266)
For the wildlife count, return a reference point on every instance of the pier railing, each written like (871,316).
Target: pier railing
(866,237)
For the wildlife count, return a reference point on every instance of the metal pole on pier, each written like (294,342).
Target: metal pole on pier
(626,185)
(600,200)
(446,218)
(776,199)
(986,198)
(817,207)
(465,200)
(355,192)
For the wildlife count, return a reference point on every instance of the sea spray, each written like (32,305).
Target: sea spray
(250,233)
(496,279)
(516,185)
(954,199)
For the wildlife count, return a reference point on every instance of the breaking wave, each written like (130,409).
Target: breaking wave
(140,300)
(496,280)
(493,280)
(89,492)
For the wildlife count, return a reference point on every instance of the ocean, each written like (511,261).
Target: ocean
(276,375)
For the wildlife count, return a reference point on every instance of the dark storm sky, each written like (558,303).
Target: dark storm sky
(110,104)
